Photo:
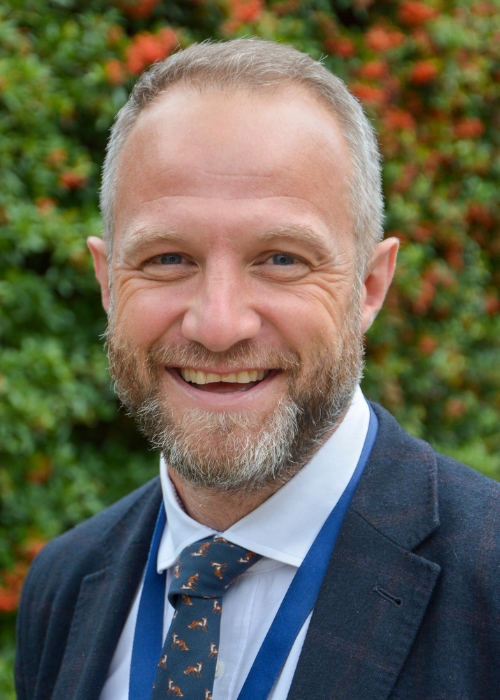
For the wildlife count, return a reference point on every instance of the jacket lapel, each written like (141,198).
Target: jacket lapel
(376,589)
(103,604)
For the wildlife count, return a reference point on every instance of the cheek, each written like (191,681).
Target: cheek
(146,315)
(308,319)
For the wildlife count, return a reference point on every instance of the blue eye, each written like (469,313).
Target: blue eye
(282,259)
(171,259)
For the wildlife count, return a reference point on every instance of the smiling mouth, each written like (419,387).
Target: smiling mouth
(223,383)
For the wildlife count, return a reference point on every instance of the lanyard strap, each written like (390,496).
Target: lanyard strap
(293,612)
(148,636)
(302,593)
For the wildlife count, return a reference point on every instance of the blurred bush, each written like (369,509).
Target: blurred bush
(429,75)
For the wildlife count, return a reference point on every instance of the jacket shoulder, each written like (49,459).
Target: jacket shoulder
(469,519)
(455,485)
(93,540)
(455,476)
(117,539)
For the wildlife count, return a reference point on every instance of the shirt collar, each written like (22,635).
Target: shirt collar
(284,527)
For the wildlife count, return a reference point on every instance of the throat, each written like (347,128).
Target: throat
(219,509)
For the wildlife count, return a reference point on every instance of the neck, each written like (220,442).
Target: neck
(219,509)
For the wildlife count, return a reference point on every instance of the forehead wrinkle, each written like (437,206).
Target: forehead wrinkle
(213,172)
(227,175)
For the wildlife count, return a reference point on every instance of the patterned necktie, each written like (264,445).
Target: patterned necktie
(202,575)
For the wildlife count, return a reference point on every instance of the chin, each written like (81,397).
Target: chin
(228,451)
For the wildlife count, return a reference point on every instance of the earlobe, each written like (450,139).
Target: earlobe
(98,249)
(378,280)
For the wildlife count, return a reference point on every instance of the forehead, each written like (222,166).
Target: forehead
(223,152)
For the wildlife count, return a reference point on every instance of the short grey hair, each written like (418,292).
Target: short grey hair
(258,65)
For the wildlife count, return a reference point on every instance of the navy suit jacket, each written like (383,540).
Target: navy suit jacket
(409,607)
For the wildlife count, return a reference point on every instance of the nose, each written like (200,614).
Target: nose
(221,315)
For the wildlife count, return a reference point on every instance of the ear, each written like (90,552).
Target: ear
(378,280)
(98,249)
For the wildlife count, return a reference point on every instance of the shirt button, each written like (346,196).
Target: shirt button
(219,669)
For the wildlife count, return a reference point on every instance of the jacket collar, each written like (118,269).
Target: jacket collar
(397,494)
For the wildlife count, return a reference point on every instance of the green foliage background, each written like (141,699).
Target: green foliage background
(429,76)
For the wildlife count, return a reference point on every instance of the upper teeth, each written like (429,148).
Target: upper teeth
(197,377)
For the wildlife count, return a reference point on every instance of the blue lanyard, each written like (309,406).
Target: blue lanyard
(297,604)
(148,635)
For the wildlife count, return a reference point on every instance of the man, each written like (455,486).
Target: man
(242,262)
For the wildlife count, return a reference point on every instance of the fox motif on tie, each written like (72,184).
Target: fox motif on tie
(202,575)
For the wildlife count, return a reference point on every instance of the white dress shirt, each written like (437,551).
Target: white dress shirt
(282,530)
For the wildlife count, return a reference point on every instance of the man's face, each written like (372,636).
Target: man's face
(235,328)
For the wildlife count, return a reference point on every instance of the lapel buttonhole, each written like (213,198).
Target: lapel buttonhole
(388,596)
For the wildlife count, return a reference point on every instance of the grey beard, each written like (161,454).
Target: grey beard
(247,461)
(235,451)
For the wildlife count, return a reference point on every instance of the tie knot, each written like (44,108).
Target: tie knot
(208,567)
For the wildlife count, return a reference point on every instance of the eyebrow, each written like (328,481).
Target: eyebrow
(139,238)
(299,234)
(142,237)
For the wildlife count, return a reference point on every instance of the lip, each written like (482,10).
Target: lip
(236,400)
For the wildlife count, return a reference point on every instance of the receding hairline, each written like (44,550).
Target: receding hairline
(195,84)
(187,86)
(275,91)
